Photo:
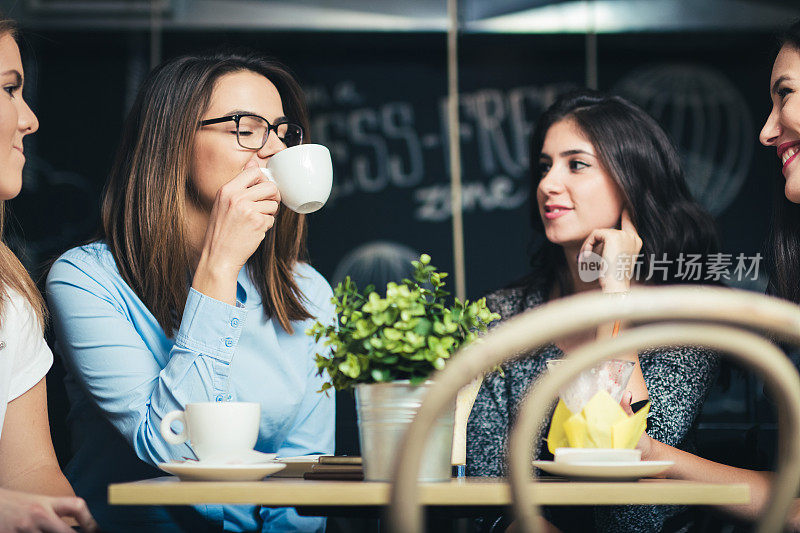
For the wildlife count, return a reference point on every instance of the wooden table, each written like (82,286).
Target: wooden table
(465,492)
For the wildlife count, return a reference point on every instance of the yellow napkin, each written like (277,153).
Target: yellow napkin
(601,424)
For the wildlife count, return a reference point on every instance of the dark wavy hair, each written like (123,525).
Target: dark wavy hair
(640,157)
(783,256)
(145,199)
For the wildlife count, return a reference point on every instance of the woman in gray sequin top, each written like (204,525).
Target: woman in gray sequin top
(606,180)
(677,379)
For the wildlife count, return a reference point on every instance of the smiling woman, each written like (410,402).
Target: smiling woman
(782,131)
(28,466)
(782,128)
(16,120)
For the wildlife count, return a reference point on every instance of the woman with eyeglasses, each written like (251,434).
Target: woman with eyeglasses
(196,291)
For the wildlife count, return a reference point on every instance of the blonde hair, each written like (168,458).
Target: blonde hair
(13,275)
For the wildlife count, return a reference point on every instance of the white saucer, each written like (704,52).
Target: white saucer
(605,471)
(198,471)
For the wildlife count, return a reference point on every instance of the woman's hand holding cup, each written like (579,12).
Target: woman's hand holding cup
(244,210)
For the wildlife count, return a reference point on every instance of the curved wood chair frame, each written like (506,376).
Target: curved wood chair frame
(768,361)
(773,317)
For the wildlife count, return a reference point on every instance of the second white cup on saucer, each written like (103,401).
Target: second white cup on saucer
(216,430)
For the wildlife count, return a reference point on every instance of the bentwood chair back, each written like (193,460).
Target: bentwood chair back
(464,402)
(733,322)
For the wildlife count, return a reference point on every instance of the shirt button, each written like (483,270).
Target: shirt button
(228,342)
(219,398)
(235,323)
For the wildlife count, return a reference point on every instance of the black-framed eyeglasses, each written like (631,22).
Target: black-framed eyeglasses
(252,131)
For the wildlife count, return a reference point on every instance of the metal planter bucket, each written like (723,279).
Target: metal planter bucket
(384,412)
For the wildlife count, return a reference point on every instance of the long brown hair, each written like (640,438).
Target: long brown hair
(12,274)
(144,210)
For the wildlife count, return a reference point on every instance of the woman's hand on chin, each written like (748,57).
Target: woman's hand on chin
(618,249)
(244,210)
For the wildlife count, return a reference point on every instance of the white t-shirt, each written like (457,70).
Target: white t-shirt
(25,357)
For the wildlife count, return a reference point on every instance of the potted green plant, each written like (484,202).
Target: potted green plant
(385,348)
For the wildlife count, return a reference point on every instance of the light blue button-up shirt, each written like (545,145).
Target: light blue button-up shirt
(124,374)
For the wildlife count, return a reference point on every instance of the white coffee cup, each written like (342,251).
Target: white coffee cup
(304,176)
(215,429)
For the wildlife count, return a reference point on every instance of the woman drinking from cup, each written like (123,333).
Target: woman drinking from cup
(606,184)
(34,494)
(196,291)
